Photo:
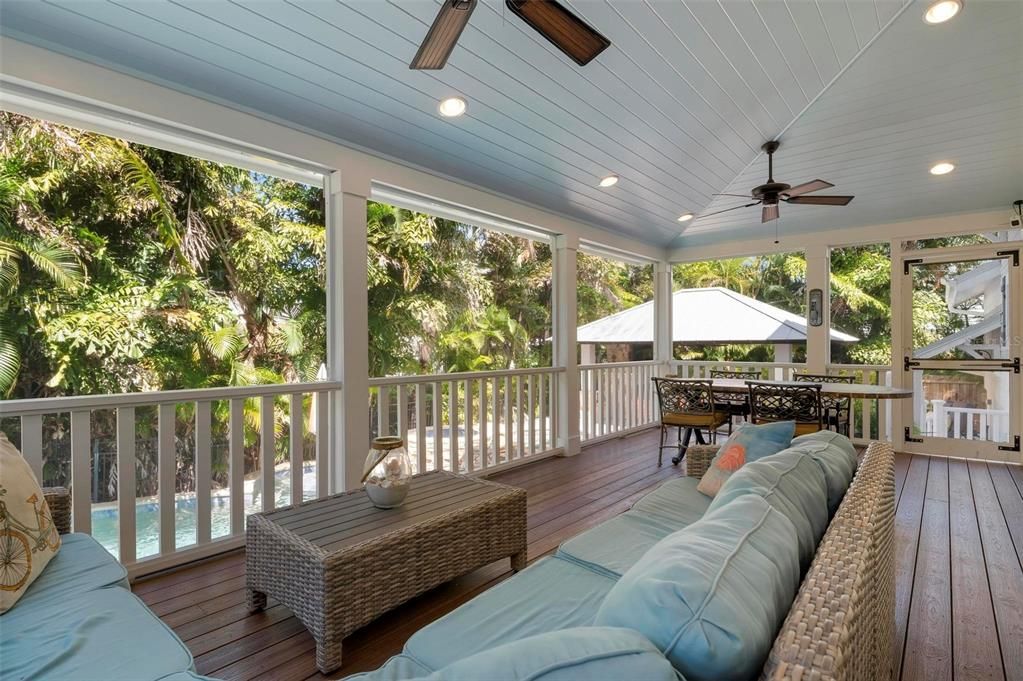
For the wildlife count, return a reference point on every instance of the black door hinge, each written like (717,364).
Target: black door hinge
(907,362)
(1014,365)
(1014,254)
(906,264)
(1014,448)
(908,437)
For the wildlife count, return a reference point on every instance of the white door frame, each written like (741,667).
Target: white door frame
(976,449)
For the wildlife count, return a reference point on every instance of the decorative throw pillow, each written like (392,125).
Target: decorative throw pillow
(747,443)
(28,538)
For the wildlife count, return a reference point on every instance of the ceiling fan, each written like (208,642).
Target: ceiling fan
(771,192)
(549,18)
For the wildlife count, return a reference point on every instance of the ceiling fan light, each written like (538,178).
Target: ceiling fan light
(451,107)
(943,10)
(685,217)
(943,168)
(609,181)
(443,35)
(570,34)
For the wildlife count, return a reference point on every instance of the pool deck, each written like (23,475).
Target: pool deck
(959,575)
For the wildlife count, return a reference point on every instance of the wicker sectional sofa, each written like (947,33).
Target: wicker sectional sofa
(79,619)
(545,622)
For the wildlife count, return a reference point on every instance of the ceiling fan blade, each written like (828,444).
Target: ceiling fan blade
(741,196)
(717,212)
(769,213)
(807,187)
(566,31)
(443,35)
(821,200)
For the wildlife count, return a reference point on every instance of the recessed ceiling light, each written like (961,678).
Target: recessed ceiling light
(942,11)
(609,181)
(943,168)
(451,107)
(685,217)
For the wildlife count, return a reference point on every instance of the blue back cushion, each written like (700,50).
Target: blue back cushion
(576,654)
(836,456)
(748,443)
(712,596)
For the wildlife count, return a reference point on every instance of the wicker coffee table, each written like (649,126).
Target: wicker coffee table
(338,563)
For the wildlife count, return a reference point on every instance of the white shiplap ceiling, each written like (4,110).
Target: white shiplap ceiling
(677,107)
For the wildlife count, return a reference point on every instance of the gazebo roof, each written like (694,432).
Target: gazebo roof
(705,316)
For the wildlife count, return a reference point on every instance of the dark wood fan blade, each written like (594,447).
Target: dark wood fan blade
(807,187)
(821,200)
(769,213)
(440,40)
(741,196)
(717,212)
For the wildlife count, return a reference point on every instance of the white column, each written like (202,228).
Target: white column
(818,338)
(348,328)
(663,322)
(565,321)
(902,412)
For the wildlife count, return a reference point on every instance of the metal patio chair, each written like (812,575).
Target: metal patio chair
(800,402)
(687,404)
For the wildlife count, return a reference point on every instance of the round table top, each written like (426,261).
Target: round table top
(853,390)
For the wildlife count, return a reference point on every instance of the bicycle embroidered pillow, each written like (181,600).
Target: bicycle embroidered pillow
(28,538)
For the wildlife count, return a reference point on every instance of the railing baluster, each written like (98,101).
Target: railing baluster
(508,424)
(484,450)
(32,443)
(267,452)
(496,423)
(470,464)
(531,407)
(167,457)
(865,408)
(438,431)
(520,424)
(453,423)
(403,413)
(384,410)
(543,411)
(81,478)
(297,447)
(203,472)
(236,458)
(126,484)
(323,445)
(421,426)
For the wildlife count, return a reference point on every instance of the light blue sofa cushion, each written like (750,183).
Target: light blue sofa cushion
(398,668)
(576,654)
(81,565)
(676,503)
(836,456)
(791,482)
(553,593)
(712,596)
(747,444)
(106,634)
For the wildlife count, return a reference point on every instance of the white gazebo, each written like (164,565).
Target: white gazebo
(704,316)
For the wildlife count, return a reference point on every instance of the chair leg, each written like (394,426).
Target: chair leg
(684,445)
(660,450)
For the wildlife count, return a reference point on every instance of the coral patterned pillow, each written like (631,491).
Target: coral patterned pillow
(747,443)
(28,538)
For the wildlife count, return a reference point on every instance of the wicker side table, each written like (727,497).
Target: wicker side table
(338,563)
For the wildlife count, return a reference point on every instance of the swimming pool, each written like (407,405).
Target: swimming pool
(147,513)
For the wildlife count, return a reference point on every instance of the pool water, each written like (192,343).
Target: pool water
(147,513)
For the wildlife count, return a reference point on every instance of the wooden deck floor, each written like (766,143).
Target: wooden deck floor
(959,576)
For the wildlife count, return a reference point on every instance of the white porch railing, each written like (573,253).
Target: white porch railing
(470,422)
(207,450)
(870,419)
(964,423)
(616,398)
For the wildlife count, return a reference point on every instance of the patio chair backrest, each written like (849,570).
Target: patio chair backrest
(737,373)
(834,402)
(801,403)
(684,396)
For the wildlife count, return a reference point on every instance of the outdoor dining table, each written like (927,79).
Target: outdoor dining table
(861,391)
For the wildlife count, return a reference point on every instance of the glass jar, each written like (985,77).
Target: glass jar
(388,472)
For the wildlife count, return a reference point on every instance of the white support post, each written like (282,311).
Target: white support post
(902,414)
(663,322)
(818,338)
(565,321)
(348,326)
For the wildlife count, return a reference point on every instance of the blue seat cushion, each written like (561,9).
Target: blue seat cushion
(676,503)
(553,593)
(576,654)
(794,484)
(712,596)
(836,456)
(81,565)
(398,668)
(747,444)
(105,633)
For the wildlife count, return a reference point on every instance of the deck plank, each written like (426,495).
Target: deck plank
(1011,503)
(975,648)
(908,516)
